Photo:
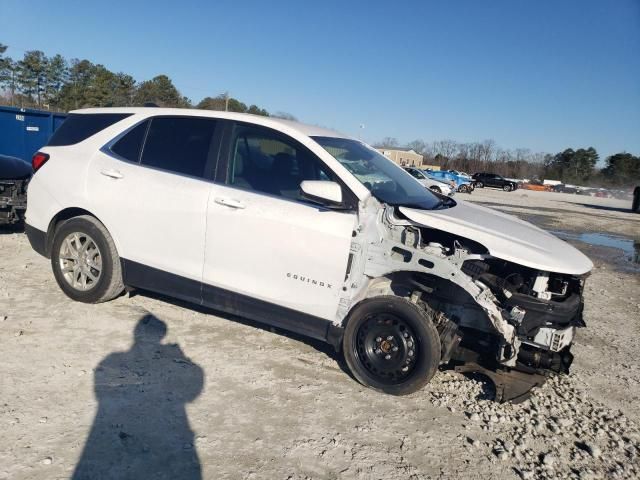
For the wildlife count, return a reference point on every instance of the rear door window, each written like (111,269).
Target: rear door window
(184,145)
(129,146)
(80,126)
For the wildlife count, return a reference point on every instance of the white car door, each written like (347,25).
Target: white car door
(266,244)
(153,197)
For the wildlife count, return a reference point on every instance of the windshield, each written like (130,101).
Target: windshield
(385,180)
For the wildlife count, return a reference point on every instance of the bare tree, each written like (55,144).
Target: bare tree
(417,146)
(477,157)
(445,148)
(388,142)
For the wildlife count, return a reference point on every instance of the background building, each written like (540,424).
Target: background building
(402,156)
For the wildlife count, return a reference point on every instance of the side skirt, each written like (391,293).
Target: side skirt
(155,280)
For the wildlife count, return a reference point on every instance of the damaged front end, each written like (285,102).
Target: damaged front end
(14,178)
(13,200)
(513,323)
(544,308)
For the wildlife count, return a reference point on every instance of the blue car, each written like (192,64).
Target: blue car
(462,183)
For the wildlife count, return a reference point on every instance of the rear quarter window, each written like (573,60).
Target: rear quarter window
(80,126)
(129,146)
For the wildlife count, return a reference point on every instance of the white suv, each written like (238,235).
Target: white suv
(305,229)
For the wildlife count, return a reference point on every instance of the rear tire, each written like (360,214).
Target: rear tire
(391,345)
(85,261)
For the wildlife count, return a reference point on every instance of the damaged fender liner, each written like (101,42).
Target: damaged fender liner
(511,385)
(514,385)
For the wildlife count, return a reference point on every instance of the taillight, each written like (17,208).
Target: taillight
(38,160)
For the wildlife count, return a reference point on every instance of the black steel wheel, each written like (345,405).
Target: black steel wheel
(391,345)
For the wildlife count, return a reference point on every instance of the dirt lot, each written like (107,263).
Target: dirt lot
(94,388)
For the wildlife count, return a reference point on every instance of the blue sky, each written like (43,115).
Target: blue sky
(543,75)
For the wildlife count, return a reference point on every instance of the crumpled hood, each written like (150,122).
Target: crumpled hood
(505,236)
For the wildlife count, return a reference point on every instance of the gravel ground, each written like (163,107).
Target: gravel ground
(86,388)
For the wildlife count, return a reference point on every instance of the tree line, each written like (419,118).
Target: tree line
(53,83)
(570,166)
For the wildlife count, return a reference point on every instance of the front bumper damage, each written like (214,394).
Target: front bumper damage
(13,200)
(515,339)
(545,329)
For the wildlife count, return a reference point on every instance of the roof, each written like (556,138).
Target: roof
(305,129)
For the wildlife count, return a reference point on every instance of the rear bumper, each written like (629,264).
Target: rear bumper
(37,239)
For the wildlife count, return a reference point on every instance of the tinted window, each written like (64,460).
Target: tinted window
(80,126)
(130,145)
(180,144)
(265,161)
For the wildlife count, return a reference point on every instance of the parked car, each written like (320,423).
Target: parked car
(461,174)
(14,177)
(462,184)
(536,187)
(635,205)
(281,222)
(563,188)
(494,180)
(435,185)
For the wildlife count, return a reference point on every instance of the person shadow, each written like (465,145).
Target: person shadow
(141,429)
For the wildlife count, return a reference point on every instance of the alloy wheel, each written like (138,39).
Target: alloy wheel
(80,261)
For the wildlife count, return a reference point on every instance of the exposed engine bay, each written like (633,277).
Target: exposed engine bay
(512,323)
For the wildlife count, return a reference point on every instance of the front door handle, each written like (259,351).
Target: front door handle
(112,174)
(229,202)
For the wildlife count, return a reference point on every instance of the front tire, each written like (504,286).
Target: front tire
(436,189)
(85,262)
(391,345)
(507,188)
(479,184)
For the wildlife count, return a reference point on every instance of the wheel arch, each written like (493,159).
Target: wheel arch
(434,291)
(67,214)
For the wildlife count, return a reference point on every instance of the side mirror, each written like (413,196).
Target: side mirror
(322,191)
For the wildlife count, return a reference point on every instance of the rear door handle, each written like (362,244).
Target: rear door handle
(229,202)
(112,174)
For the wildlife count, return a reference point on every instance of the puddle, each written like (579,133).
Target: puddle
(630,248)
